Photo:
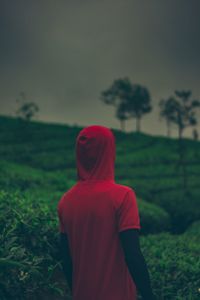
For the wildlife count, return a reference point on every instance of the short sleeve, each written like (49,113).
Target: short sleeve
(61,224)
(128,214)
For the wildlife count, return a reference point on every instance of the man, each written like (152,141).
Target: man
(99,226)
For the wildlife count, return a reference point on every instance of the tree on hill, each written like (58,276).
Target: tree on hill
(139,103)
(116,95)
(27,109)
(25,112)
(130,100)
(183,113)
(166,108)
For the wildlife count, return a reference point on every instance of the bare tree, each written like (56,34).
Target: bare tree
(27,110)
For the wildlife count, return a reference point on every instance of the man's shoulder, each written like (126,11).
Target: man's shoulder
(119,192)
(122,188)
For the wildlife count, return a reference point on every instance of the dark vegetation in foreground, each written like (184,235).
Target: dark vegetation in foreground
(37,164)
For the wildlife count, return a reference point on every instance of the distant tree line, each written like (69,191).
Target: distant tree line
(134,101)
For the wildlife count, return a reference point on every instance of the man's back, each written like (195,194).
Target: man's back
(92,213)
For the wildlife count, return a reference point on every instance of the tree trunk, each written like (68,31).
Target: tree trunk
(122,125)
(182,161)
(180,132)
(138,124)
(168,128)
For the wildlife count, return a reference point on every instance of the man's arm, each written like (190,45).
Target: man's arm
(66,258)
(136,263)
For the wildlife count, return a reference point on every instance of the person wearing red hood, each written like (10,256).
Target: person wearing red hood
(99,226)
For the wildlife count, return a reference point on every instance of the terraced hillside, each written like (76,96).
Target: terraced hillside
(37,165)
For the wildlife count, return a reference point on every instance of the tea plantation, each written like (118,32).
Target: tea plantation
(37,165)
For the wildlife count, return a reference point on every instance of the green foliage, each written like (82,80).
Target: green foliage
(36,169)
(184,208)
(153,218)
(30,258)
(14,176)
(174,265)
(29,247)
(194,230)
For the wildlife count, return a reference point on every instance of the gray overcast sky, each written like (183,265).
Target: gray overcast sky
(63,53)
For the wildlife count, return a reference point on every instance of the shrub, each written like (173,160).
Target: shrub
(184,208)
(194,230)
(174,265)
(29,248)
(30,266)
(153,218)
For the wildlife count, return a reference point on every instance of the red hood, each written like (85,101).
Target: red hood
(95,153)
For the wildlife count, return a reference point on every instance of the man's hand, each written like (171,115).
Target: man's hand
(136,263)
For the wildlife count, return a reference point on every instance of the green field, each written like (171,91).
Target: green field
(37,165)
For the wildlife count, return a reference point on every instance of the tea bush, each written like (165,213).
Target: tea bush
(194,229)
(153,219)
(29,262)
(174,265)
(29,247)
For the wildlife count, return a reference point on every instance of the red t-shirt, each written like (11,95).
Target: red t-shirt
(92,213)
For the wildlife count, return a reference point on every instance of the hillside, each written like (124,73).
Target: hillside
(37,165)
(149,164)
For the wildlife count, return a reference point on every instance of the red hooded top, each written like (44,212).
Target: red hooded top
(92,213)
